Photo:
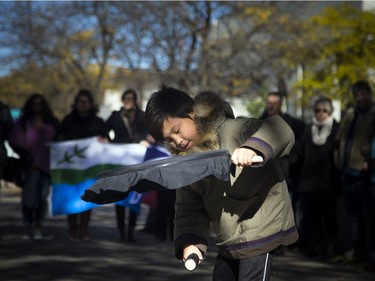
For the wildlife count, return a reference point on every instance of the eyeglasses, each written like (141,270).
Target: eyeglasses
(317,110)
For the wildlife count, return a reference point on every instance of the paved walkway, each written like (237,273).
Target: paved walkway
(104,258)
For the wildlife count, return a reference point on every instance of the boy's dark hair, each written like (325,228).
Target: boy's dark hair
(165,103)
(361,85)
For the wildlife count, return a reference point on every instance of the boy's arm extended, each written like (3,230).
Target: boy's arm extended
(192,223)
(273,139)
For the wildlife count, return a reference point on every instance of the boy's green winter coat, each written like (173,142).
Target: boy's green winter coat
(250,215)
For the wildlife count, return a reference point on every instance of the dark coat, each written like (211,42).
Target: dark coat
(356,131)
(116,123)
(319,174)
(75,126)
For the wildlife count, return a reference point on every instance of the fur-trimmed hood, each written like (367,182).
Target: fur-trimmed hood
(210,111)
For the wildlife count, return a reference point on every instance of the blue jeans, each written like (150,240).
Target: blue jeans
(34,197)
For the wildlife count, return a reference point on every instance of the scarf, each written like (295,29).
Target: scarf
(321,130)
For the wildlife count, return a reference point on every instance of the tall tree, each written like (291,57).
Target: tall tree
(339,49)
(78,37)
(171,38)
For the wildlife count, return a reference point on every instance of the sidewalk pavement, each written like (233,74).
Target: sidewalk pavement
(55,258)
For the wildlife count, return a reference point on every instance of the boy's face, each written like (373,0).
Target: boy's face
(180,133)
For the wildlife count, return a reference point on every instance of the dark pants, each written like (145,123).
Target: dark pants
(120,217)
(357,198)
(253,269)
(165,214)
(318,227)
(34,197)
(82,219)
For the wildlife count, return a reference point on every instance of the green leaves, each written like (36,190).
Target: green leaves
(341,50)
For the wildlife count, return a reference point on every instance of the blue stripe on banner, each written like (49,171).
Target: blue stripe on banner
(66,199)
(133,202)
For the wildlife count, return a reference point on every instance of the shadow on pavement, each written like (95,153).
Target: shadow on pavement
(105,258)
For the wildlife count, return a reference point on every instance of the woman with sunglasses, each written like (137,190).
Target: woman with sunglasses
(319,183)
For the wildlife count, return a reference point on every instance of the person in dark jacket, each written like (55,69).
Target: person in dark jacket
(319,183)
(354,139)
(82,122)
(127,126)
(251,214)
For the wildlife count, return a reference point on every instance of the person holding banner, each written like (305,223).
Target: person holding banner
(127,126)
(251,214)
(82,122)
(29,138)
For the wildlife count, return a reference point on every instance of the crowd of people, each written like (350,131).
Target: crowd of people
(328,167)
(29,136)
(330,175)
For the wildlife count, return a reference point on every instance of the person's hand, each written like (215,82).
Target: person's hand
(245,157)
(102,139)
(192,249)
(144,143)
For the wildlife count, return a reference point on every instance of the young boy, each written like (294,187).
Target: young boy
(251,214)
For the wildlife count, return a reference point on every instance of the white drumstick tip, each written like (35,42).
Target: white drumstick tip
(257,159)
(191,262)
